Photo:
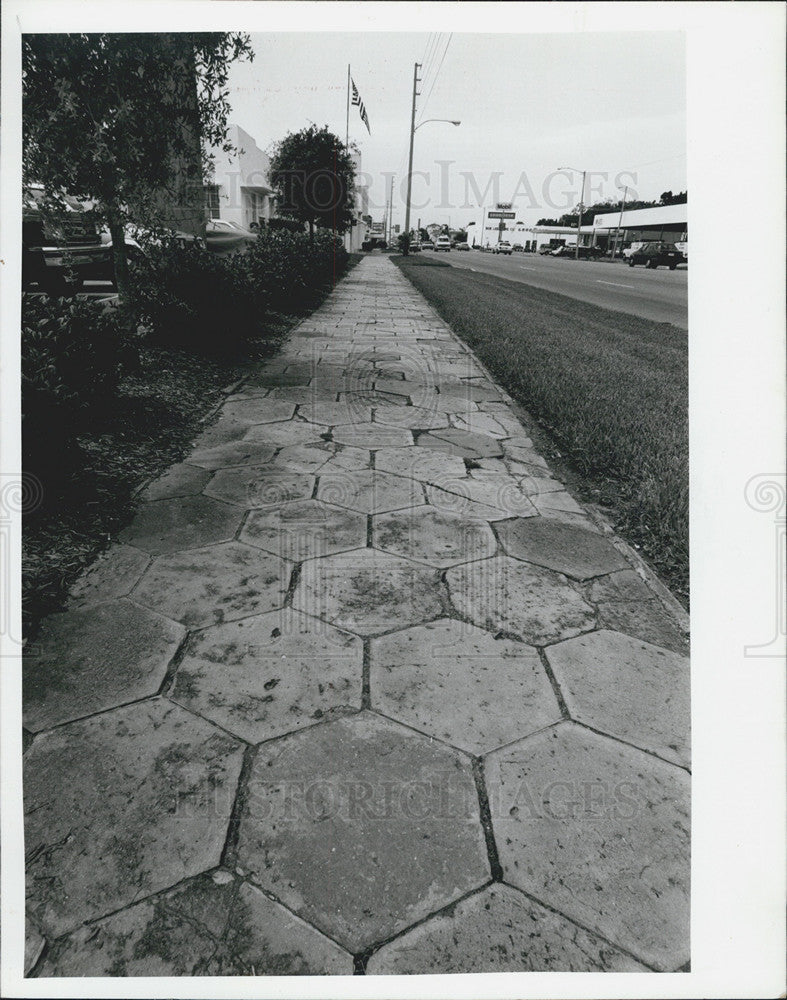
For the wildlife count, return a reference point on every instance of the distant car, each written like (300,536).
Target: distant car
(60,248)
(656,253)
(546,248)
(562,251)
(462,246)
(631,248)
(684,250)
(427,245)
(224,237)
(503,247)
(415,247)
(443,243)
(518,248)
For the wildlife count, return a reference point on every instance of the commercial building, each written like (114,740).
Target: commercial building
(240,191)
(664,222)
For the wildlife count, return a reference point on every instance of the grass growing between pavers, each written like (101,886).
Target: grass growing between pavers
(156,414)
(610,390)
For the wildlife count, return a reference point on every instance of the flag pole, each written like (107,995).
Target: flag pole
(347,132)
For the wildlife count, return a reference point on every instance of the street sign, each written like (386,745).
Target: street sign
(501,215)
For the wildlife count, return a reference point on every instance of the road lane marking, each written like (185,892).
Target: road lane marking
(528,268)
(615,283)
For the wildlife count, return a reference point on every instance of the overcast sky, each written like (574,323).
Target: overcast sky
(613,104)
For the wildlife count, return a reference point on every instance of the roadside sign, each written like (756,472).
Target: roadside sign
(501,215)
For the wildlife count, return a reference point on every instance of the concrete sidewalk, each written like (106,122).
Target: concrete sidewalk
(360,688)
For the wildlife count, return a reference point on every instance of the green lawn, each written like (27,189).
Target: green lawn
(610,389)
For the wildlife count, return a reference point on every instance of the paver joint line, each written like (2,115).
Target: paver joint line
(358,690)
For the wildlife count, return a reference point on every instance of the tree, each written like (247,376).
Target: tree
(118,119)
(315,177)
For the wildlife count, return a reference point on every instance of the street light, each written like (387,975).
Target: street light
(620,220)
(581,203)
(413,129)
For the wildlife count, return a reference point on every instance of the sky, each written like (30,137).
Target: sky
(612,104)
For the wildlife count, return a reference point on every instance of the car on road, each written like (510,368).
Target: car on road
(462,246)
(443,243)
(224,237)
(656,253)
(61,246)
(427,245)
(503,247)
(632,248)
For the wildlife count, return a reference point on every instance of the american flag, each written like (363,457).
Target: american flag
(361,109)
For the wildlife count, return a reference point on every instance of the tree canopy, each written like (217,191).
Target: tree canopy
(602,207)
(315,177)
(116,119)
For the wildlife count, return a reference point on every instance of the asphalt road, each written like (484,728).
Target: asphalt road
(660,295)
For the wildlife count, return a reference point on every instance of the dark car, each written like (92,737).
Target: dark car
(654,254)
(224,237)
(462,246)
(61,248)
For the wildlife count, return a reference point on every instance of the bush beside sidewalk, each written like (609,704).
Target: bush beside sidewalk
(105,408)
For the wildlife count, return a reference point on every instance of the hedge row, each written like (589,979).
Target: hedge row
(188,297)
(75,352)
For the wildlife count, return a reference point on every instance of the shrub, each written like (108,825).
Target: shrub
(190,298)
(73,355)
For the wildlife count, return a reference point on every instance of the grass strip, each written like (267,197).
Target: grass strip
(610,389)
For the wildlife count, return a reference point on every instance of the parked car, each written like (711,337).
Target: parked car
(503,247)
(60,249)
(546,248)
(656,253)
(223,237)
(631,248)
(462,246)
(518,248)
(443,243)
(562,251)
(590,253)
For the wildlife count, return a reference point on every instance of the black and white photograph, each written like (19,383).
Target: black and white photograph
(392,502)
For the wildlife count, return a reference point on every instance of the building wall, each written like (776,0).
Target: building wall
(241,180)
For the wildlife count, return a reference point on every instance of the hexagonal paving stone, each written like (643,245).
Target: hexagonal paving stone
(367,591)
(185,523)
(498,930)
(211,926)
(252,488)
(231,454)
(347,411)
(113,575)
(90,660)
(362,827)
(121,805)
(480,423)
(462,443)
(534,603)
(289,432)
(372,436)
(369,491)
(627,688)
(499,491)
(270,674)
(305,529)
(178,481)
(423,464)
(347,459)
(216,584)
(259,411)
(459,683)
(448,502)
(307,457)
(561,547)
(415,417)
(622,585)
(432,536)
(599,831)
(645,620)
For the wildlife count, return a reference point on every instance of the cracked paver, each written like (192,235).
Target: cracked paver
(600,831)
(359,656)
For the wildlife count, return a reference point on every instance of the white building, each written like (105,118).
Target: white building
(241,190)
(664,222)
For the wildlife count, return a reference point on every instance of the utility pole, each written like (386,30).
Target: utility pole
(390,214)
(581,206)
(620,222)
(406,247)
